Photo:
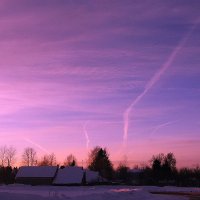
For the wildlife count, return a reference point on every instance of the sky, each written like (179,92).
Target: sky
(123,75)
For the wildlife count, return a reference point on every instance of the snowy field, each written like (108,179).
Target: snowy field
(24,192)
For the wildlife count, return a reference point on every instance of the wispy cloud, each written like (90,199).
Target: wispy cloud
(66,62)
(156,128)
(36,145)
(156,77)
(86,134)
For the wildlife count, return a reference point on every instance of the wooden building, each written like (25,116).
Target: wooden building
(48,175)
(69,176)
(36,175)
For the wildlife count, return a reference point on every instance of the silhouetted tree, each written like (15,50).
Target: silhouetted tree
(7,156)
(10,156)
(7,174)
(93,154)
(169,166)
(2,175)
(99,161)
(163,167)
(184,177)
(196,172)
(70,160)
(157,163)
(3,150)
(29,157)
(122,172)
(146,177)
(170,161)
(48,160)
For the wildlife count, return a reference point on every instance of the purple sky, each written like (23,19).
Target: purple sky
(120,74)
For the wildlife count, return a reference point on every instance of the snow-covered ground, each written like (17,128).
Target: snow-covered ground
(25,192)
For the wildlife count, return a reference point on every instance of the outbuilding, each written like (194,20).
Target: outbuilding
(36,175)
(91,177)
(69,176)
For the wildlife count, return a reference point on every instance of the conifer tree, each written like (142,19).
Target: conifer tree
(99,161)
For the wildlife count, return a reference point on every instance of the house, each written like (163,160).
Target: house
(134,176)
(36,175)
(70,175)
(47,175)
(75,176)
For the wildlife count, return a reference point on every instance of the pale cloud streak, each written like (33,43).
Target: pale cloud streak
(156,77)
(156,128)
(66,62)
(36,145)
(86,134)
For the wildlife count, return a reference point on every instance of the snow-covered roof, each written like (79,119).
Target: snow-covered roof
(91,176)
(69,175)
(37,171)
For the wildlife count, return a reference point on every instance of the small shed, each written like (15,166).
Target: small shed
(36,175)
(91,176)
(134,176)
(69,176)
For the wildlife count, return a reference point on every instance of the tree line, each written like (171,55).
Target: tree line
(29,158)
(161,169)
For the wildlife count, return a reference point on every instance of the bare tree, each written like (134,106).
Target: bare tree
(3,150)
(10,155)
(44,161)
(29,157)
(70,161)
(48,160)
(7,156)
(52,159)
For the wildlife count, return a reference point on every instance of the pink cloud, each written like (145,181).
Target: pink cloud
(63,63)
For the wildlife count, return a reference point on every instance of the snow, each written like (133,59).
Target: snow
(69,175)
(25,192)
(33,171)
(171,189)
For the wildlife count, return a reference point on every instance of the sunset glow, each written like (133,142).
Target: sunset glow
(124,75)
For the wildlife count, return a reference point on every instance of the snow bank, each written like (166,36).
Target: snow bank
(11,196)
(21,192)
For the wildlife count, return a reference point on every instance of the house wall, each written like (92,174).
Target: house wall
(34,181)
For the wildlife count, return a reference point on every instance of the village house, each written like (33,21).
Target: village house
(69,176)
(52,175)
(33,175)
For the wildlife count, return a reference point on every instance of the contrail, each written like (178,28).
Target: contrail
(155,129)
(154,79)
(37,145)
(86,134)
